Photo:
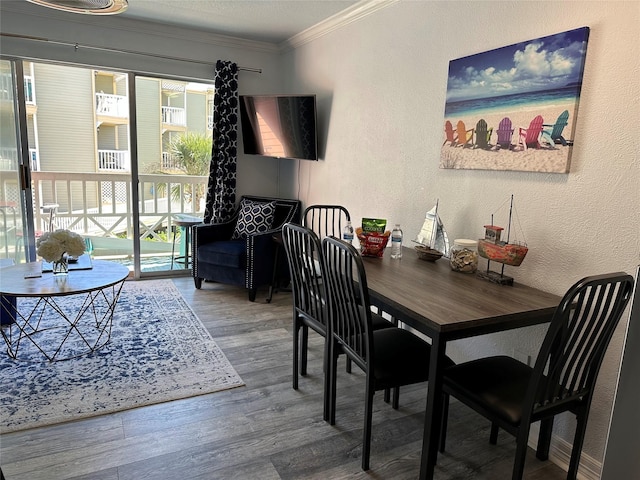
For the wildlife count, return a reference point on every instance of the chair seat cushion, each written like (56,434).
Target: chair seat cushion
(499,384)
(401,358)
(230,253)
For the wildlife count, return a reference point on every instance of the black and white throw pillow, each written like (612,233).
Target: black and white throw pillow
(254,217)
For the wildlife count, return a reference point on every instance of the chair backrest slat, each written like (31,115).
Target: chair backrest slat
(351,315)
(574,347)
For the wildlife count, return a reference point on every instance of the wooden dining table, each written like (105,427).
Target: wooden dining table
(446,305)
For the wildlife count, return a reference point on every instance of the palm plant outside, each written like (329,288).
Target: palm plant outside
(191,154)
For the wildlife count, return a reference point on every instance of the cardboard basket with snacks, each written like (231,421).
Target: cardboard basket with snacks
(372,237)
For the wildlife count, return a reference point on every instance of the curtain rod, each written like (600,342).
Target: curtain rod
(77,46)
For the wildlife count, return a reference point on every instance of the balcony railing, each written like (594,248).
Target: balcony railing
(99,204)
(114,160)
(112,105)
(174,116)
(168,161)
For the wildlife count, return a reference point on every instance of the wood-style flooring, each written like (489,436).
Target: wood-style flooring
(264,430)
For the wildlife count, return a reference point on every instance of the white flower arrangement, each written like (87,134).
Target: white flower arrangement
(53,245)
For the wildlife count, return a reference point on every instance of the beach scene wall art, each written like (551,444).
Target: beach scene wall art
(515,107)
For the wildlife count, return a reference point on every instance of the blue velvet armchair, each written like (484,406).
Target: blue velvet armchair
(242,251)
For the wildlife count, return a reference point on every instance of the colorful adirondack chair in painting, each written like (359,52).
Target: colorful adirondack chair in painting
(553,135)
(483,134)
(528,137)
(504,133)
(450,134)
(465,137)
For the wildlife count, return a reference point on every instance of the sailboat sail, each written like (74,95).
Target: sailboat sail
(432,234)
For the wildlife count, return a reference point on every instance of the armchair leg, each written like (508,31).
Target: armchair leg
(493,436)
(252,294)
(198,282)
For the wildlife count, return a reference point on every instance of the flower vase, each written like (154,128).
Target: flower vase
(60,266)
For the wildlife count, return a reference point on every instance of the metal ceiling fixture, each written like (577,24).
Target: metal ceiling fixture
(90,7)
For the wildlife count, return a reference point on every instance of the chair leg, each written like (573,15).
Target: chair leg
(396,398)
(444,422)
(296,334)
(521,452)
(493,436)
(327,381)
(366,434)
(578,440)
(387,395)
(544,439)
(198,282)
(252,294)
(333,371)
(304,342)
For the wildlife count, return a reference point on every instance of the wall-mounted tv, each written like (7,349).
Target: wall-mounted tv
(282,126)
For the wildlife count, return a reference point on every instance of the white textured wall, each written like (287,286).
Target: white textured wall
(381,84)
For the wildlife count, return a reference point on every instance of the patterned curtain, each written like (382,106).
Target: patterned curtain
(221,190)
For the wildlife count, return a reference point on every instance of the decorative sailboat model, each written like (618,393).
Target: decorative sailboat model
(433,242)
(506,252)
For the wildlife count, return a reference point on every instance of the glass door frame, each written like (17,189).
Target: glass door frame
(23,170)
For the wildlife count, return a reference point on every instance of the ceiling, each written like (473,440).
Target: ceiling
(272,21)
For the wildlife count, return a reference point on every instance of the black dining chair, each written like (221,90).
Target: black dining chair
(390,357)
(326,220)
(329,221)
(513,395)
(310,298)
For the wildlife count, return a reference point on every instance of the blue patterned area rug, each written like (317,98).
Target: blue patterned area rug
(159,351)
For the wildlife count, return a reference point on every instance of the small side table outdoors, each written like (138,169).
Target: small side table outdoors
(43,326)
(184,222)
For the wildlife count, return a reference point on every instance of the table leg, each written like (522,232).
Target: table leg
(433,416)
(187,242)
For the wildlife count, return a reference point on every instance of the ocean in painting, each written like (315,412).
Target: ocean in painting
(531,101)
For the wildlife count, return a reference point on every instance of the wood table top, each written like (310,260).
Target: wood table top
(444,301)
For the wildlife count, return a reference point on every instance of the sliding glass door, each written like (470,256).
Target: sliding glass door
(91,136)
(173,131)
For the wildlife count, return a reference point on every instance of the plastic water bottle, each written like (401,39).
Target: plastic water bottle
(396,242)
(347,233)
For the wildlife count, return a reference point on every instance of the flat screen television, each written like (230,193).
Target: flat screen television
(281,126)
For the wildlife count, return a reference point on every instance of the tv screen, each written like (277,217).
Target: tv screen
(282,126)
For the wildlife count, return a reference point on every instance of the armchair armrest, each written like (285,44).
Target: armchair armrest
(204,233)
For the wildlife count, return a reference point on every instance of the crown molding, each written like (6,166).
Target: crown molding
(339,20)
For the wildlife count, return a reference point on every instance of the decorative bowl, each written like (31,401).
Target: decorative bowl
(427,254)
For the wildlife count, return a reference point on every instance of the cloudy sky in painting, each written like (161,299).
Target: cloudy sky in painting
(541,64)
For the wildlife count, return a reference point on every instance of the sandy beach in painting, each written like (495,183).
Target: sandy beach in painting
(548,158)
